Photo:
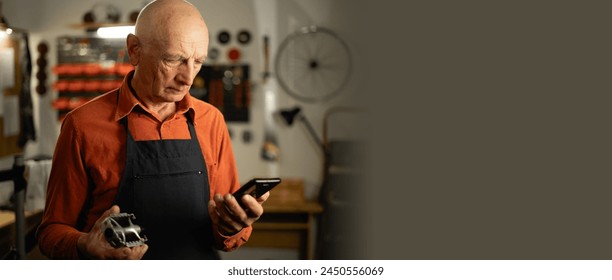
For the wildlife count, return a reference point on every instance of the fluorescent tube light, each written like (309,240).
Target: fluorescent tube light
(115,31)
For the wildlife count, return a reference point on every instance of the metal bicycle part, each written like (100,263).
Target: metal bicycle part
(313,64)
(120,231)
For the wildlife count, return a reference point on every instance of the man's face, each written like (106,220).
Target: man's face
(169,66)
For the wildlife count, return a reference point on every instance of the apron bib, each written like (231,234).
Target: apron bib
(165,185)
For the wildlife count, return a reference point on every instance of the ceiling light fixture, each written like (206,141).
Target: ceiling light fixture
(115,31)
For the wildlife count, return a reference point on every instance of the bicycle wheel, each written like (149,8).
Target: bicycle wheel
(313,64)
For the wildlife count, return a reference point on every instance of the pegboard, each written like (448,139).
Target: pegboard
(226,87)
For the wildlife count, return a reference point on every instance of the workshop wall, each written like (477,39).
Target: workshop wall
(299,154)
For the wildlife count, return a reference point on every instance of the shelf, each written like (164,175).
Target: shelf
(86,68)
(295,207)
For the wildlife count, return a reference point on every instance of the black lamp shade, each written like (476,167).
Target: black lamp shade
(290,114)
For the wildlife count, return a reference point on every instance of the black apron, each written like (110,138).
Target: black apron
(165,185)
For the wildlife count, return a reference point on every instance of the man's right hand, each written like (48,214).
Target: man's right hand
(93,245)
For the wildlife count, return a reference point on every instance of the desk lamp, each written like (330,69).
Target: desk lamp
(289,116)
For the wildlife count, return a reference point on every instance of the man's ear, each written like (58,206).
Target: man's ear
(134,48)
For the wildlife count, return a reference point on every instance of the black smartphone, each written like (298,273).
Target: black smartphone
(256,187)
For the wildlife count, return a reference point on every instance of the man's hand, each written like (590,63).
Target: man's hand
(229,217)
(93,245)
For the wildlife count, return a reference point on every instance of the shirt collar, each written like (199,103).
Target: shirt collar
(127,101)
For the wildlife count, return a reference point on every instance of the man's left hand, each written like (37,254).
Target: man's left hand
(229,217)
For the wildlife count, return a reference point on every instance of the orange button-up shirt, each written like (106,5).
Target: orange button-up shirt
(90,156)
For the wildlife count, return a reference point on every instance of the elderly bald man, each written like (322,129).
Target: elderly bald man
(150,149)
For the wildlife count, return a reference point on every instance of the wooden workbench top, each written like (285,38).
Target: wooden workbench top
(8,217)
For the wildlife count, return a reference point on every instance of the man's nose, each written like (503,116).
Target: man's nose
(187,73)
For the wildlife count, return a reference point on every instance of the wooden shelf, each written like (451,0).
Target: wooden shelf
(311,207)
(287,225)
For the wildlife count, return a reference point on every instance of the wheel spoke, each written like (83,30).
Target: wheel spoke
(313,66)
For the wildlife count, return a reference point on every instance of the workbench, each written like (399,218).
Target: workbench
(7,228)
(287,225)
(289,220)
